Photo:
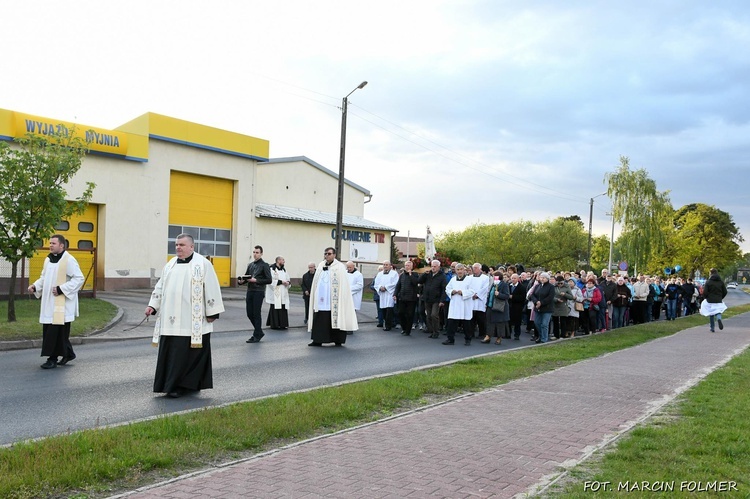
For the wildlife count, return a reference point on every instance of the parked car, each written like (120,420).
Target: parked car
(732,285)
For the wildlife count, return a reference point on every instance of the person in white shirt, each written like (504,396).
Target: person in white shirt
(385,286)
(479,283)
(356,283)
(58,288)
(460,308)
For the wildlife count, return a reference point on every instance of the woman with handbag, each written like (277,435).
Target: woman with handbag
(561,310)
(575,307)
(498,311)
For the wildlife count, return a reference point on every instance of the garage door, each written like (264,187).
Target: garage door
(202,207)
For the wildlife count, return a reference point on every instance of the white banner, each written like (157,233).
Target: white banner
(363,252)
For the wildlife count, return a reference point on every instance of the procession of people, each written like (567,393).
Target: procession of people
(474,300)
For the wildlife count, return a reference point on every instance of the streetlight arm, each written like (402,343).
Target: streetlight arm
(360,86)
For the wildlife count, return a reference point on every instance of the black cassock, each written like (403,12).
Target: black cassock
(179,366)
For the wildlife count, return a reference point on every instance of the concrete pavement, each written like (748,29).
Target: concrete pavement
(509,441)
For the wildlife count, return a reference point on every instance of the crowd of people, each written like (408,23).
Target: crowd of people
(499,302)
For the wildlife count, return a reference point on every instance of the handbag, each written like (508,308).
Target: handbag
(498,305)
(578,306)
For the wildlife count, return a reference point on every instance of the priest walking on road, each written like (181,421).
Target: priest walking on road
(331,306)
(186,302)
(58,288)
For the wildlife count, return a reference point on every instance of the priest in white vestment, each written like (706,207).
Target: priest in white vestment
(277,296)
(356,283)
(58,288)
(332,311)
(385,285)
(460,308)
(479,282)
(186,302)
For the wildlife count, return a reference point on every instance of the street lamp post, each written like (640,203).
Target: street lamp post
(591,216)
(611,241)
(340,203)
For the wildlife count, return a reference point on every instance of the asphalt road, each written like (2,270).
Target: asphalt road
(111,383)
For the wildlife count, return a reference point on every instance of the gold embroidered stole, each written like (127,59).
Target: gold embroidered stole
(58,314)
(196,298)
(197,276)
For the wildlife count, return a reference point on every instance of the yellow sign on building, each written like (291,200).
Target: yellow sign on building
(98,139)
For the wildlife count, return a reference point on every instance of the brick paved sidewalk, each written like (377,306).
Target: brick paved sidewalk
(498,443)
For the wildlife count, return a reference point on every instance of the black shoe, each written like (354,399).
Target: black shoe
(406,333)
(387,329)
(448,342)
(516,338)
(434,336)
(537,341)
(65,360)
(337,344)
(253,339)
(50,364)
(315,344)
(174,395)
(380,325)
(721,325)
(467,342)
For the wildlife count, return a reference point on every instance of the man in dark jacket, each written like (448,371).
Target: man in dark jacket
(257,275)
(433,290)
(307,280)
(608,287)
(406,296)
(517,304)
(713,305)
(688,300)
(544,303)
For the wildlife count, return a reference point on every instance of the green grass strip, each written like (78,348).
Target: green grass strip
(102,461)
(94,315)
(695,446)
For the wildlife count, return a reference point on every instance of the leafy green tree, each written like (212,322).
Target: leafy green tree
(32,197)
(562,244)
(642,210)
(554,244)
(704,237)
(394,258)
(600,253)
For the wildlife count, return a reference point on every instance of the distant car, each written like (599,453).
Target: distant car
(732,285)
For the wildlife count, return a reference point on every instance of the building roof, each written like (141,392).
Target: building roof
(317,217)
(408,246)
(320,167)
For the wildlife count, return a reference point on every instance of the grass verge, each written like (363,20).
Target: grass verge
(102,461)
(94,314)
(700,440)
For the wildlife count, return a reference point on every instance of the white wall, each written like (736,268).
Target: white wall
(300,185)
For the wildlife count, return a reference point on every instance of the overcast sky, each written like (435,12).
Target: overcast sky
(476,111)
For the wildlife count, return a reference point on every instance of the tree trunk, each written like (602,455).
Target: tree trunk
(12,292)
